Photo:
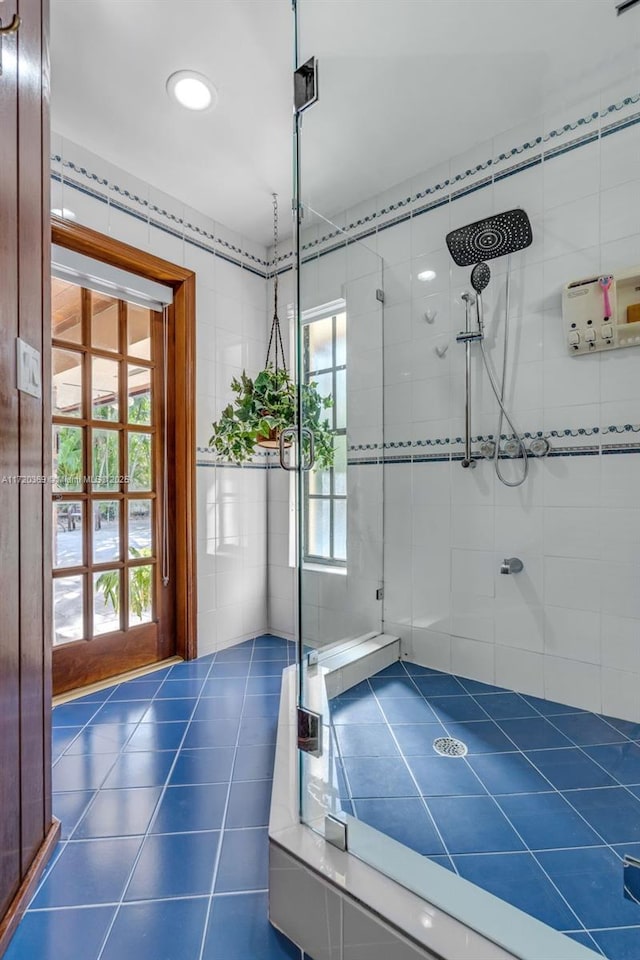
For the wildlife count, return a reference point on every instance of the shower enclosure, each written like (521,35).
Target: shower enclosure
(469,639)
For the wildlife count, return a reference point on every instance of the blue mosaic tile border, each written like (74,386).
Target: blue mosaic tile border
(261,460)
(350,233)
(154,215)
(438,449)
(217,246)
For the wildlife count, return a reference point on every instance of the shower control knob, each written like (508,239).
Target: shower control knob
(487,449)
(539,447)
(512,448)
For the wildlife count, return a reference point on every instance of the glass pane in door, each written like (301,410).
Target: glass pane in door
(140,528)
(105,459)
(106,530)
(138,331)
(68,533)
(140,594)
(68,609)
(105,322)
(107,596)
(68,460)
(139,469)
(105,381)
(66,382)
(66,311)
(139,394)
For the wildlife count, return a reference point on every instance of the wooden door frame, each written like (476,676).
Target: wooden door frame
(183,282)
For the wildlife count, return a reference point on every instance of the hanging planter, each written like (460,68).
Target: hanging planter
(264,406)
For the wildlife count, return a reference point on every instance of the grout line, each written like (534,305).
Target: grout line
(163,792)
(245,665)
(178,896)
(417,785)
(216,866)
(553,790)
(517,832)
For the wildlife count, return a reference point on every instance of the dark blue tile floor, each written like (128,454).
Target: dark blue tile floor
(540,812)
(163,785)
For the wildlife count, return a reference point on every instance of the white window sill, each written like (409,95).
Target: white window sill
(325,568)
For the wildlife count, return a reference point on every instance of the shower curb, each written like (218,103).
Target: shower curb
(318,892)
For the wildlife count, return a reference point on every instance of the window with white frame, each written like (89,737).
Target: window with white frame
(324,343)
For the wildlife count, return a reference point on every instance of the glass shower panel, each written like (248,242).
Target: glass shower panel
(340,499)
(423,765)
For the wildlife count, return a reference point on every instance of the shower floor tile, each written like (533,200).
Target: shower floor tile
(540,811)
(164,849)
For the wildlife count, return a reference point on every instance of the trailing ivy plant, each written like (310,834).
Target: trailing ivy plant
(265,406)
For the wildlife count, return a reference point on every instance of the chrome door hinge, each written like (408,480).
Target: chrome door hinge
(380,295)
(309,732)
(335,832)
(380,593)
(305,85)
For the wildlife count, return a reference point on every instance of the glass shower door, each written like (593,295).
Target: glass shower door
(340,486)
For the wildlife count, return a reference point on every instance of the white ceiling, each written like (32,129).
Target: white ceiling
(404,84)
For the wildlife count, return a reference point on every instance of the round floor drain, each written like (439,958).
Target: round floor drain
(450,747)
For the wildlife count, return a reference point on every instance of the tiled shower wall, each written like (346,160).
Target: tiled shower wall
(338,602)
(231,335)
(568,627)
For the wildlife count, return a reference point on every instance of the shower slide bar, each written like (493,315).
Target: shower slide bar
(468,336)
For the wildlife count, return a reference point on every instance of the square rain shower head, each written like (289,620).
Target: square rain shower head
(490,238)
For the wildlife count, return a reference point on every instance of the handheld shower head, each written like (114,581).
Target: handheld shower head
(480,276)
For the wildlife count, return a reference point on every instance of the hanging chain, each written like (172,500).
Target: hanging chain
(275,339)
(275,230)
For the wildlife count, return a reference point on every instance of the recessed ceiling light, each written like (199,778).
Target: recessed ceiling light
(427,275)
(63,212)
(192,90)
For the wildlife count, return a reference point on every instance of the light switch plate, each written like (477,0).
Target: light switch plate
(28,369)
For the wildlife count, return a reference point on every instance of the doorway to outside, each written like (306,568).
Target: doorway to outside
(122,505)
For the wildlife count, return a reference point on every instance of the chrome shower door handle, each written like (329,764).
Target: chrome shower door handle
(312,450)
(282,445)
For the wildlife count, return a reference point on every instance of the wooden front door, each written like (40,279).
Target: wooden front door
(27,831)
(113,492)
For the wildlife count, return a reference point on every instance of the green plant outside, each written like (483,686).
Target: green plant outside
(140,589)
(69,466)
(270,404)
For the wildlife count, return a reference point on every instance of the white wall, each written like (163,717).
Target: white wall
(568,627)
(231,335)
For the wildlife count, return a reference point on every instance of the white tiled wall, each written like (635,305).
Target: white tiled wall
(568,627)
(231,335)
(337,603)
